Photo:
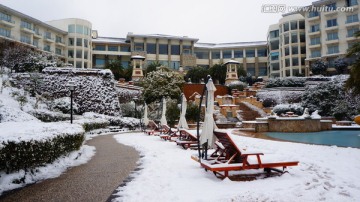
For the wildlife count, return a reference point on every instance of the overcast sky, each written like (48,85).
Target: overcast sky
(214,21)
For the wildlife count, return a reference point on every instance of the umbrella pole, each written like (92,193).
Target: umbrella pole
(198,122)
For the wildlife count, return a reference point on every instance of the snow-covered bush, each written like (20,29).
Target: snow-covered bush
(237,85)
(268,102)
(286,82)
(128,109)
(331,99)
(126,95)
(92,124)
(280,96)
(63,105)
(172,112)
(11,114)
(42,144)
(283,108)
(318,67)
(49,116)
(122,122)
(340,65)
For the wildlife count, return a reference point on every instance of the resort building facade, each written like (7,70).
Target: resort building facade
(292,44)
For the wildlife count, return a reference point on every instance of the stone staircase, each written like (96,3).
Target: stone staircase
(248,114)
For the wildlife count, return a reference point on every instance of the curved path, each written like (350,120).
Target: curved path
(93,181)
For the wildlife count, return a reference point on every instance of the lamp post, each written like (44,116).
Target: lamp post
(135,99)
(71,86)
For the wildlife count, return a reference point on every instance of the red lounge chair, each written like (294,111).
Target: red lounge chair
(153,128)
(168,133)
(187,139)
(228,157)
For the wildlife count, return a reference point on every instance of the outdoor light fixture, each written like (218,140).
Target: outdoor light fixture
(71,85)
(135,99)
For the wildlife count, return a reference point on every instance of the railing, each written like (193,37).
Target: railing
(7,20)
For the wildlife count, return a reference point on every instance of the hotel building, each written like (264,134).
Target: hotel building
(292,44)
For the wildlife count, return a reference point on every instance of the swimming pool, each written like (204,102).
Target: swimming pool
(334,137)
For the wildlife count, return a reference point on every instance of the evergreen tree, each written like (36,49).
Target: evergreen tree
(318,67)
(116,68)
(196,74)
(340,65)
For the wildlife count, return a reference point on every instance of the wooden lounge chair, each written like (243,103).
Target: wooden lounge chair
(187,139)
(230,158)
(153,128)
(168,133)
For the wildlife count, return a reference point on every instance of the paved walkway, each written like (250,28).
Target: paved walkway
(93,181)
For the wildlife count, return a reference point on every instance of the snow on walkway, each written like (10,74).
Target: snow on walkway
(324,174)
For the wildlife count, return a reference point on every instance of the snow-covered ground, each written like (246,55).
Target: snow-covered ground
(168,174)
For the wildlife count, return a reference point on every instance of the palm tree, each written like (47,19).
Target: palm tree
(116,68)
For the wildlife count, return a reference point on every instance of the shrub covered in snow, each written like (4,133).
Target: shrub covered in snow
(92,124)
(318,67)
(286,82)
(283,108)
(128,109)
(49,116)
(63,105)
(95,91)
(331,99)
(122,122)
(10,114)
(237,85)
(268,102)
(280,96)
(28,145)
(126,95)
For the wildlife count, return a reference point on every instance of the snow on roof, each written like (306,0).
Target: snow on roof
(232,62)
(230,45)
(130,34)
(138,57)
(109,40)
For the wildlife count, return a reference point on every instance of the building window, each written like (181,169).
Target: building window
(58,39)
(315,41)
(78,64)
(113,48)
(100,47)
(286,27)
(333,49)
(332,36)
(351,32)
(139,47)
(85,55)
(274,45)
(25,39)
(151,48)
(78,53)
(302,37)
(48,35)
(71,41)
(26,25)
(250,68)
(175,65)
(287,51)
(35,43)
(71,28)
(227,54)
(303,49)
(315,28)
(262,69)
(5,32)
(125,48)
(295,61)
(5,17)
(125,64)
(215,55)
(351,2)
(70,53)
(175,49)
(250,53)
(86,43)
(286,39)
(275,66)
(202,54)
(78,41)
(352,18)
(315,53)
(294,50)
(287,62)
(58,51)
(331,23)
(294,38)
(163,49)
(79,29)
(238,54)
(274,56)
(313,14)
(262,52)
(187,50)
(47,48)
(99,62)
(274,34)
(164,63)
(331,7)
(293,25)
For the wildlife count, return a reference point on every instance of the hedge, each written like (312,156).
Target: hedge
(30,154)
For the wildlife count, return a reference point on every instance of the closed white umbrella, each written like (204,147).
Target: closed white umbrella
(207,133)
(163,115)
(146,119)
(182,120)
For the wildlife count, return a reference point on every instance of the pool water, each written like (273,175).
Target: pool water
(334,137)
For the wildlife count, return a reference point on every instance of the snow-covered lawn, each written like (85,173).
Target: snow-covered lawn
(168,174)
